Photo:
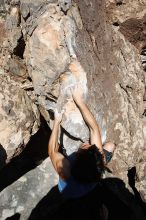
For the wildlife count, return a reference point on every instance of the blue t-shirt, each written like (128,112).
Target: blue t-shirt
(72,188)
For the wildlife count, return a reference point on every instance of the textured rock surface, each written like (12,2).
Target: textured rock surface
(122,10)
(2,8)
(50,46)
(34,185)
(129,18)
(18,118)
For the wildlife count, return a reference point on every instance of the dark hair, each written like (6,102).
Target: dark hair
(88,165)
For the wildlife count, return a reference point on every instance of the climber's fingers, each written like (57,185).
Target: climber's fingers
(58,115)
(74,88)
(71,89)
(77,93)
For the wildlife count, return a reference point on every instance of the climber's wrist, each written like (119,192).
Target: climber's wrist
(80,103)
(57,121)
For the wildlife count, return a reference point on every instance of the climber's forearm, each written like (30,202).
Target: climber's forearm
(87,115)
(95,137)
(53,145)
(60,163)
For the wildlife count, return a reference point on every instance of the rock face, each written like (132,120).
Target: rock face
(129,19)
(51,46)
(18,118)
(33,191)
(2,8)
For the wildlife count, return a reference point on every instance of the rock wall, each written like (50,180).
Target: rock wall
(50,46)
(19,118)
(23,195)
(129,18)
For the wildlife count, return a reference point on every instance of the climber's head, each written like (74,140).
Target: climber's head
(88,165)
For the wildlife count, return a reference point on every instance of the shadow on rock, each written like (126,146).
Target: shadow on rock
(14,217)
(110,200)
(54,206)
(120,202)
(131,178)
(34,153)
(3,157)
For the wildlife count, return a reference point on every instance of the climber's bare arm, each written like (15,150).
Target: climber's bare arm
(95,137)
(60,163)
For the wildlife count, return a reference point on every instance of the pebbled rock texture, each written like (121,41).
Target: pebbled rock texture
(12,200)
(18,117)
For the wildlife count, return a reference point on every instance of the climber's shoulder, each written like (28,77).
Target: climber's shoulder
(62,166)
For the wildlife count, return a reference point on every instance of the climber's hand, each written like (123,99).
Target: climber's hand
(77,94)
(58,115)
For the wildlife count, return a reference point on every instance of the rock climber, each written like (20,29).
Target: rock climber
(80,172)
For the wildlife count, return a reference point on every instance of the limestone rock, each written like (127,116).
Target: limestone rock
(24,194)
(19,118)
(115,78)
(122,10)
(2,9)
(129,18)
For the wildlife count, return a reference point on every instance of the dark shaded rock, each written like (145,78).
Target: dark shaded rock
(17,68)
(3,157)
(135,31)
(2,9)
